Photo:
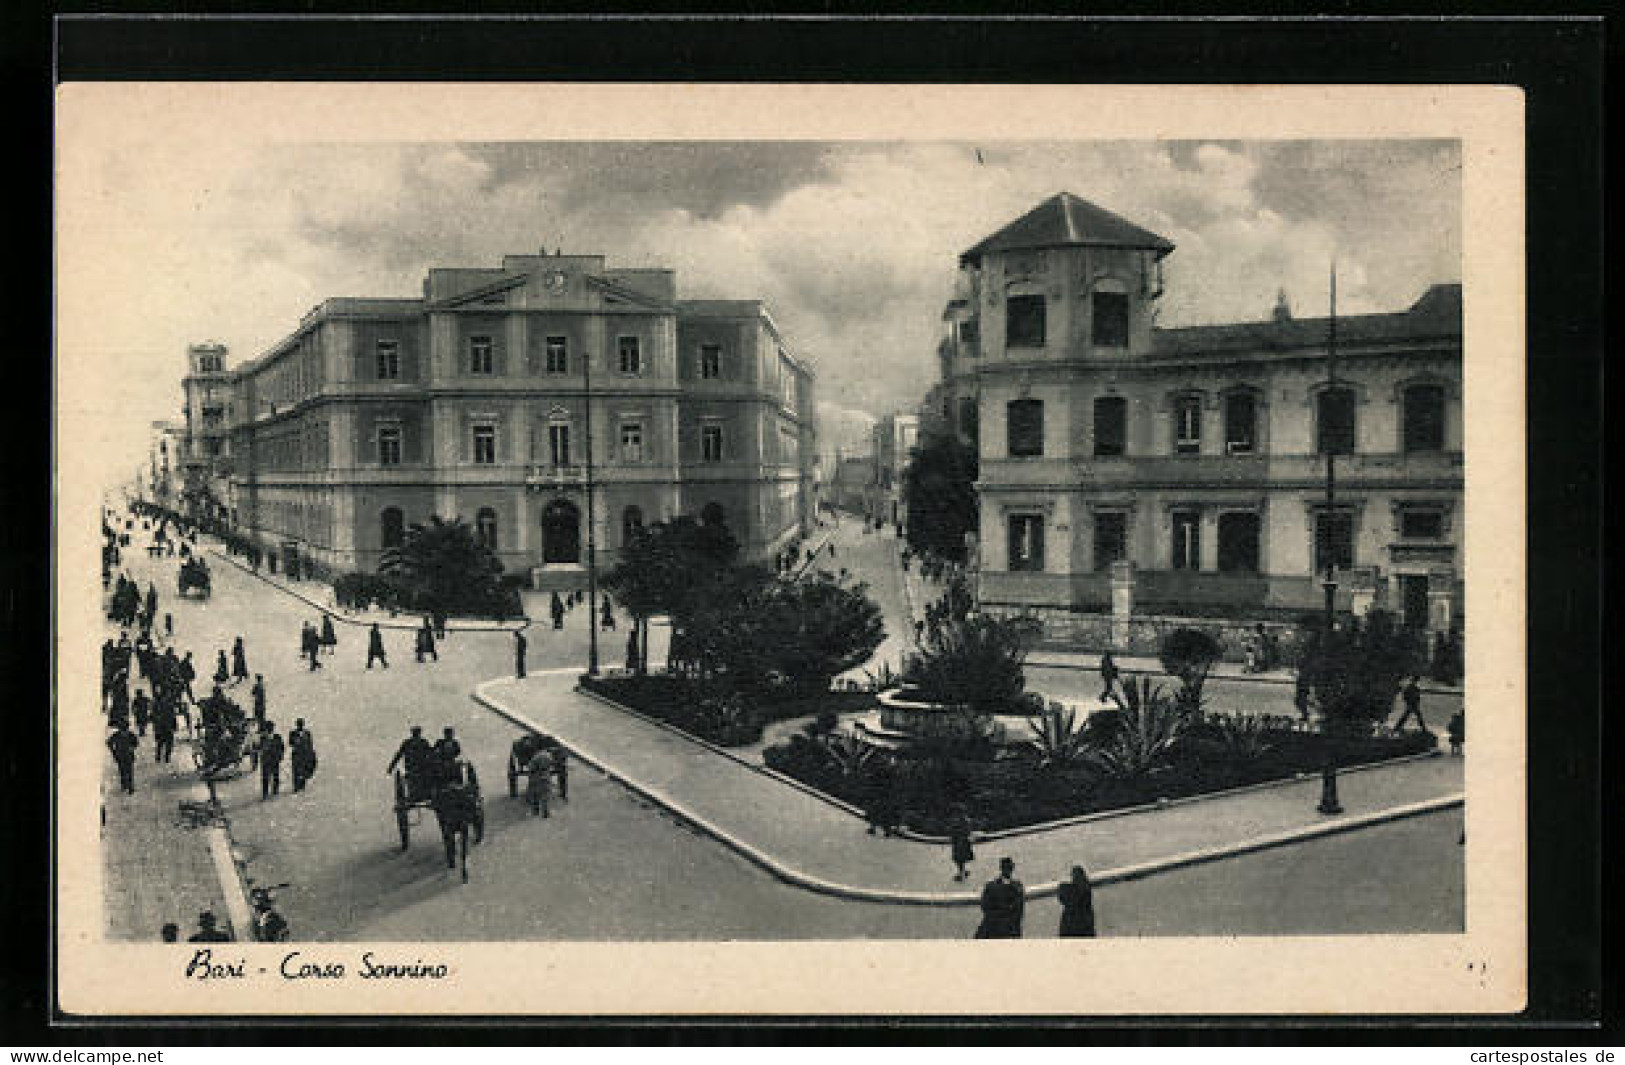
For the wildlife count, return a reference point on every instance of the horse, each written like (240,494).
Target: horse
(458,808)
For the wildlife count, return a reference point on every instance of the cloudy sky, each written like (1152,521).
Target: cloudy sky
(852,244)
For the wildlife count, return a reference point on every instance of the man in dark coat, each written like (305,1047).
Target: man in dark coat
(607,615)
(329,638)
(1004,901)
(1077,898)
(207,932)
(425,642)
(123,744)
(258,694)
(301,753)
(1411,694)
(141,708)
(1108,675)
(561,770)
(163,727)
(271,749)
(519,654)
(375,647)
(239,661)
(556,608)
(416,753)
(222,672)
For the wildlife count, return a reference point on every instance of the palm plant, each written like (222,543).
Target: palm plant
(1245,739)
(846,752)
(1058,737)
(1150,725)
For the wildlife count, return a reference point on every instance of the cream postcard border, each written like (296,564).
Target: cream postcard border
(1481,971)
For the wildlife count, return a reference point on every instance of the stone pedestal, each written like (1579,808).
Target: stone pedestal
(1441,599)
(1122,578)
(1362,581)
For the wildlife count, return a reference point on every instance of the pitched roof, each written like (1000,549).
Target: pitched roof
(1435,316)
(1063,221)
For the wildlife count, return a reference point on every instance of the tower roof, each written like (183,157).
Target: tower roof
(1064,221)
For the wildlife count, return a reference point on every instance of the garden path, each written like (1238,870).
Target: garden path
(804,838)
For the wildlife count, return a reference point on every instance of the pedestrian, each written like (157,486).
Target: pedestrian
(207,932)
(239,662)
(258,694)
(561,771)
(1300,697)
(163,728)
(302,754)
(633,655)
(375,647)
(425,641)
(1108,675)
(141,707)
(118,716)
(271,748)
(960,850)
(169,625)
(539,781)
(439,625)
(1411,694)
(1458,732)
(152,601)
(329,638)
(1077,898)
(608,616)
(519,654)
(556,608)
(123,744)
(170,932)
(1004,901)
(222,672)
(310,645)
(446,748)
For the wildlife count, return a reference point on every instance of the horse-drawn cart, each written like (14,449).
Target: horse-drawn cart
(194,576)
(453,793)
(520,755)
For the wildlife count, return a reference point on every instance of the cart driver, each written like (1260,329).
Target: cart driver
(417,756)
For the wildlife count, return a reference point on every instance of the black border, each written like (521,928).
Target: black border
(1558,63)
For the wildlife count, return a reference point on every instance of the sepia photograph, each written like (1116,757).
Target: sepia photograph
(535,558)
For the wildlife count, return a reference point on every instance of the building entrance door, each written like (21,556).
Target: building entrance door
(561,532)
(1413,601)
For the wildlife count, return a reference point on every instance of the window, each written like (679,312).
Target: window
(1110,319)
(631,356)
(631,441)
(711,443)
(558,355)
(389,360)
(1111,539)
(1334,540)
(1188,425)
(710,361)
(485,528)
(1111,429)
(389,445)
(1424,418)
(1024,322)
(969,418)
(1417,524)
(485,445)
(558,444)
(1334,410)
(970,331)
(1024,427)
(1026,543)
(1238,543)
(631,524)
(479,355)
(391,527)
(1187,540)
(1240,423)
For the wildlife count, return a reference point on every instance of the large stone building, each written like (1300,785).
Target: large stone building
(488,398)
(162,481)
(894,439)
(1182,470)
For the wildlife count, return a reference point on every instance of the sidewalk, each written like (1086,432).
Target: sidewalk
(808,841)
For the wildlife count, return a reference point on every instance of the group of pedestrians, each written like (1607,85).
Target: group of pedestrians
(559,607)
(1004,898)
(317,639)
(427,765)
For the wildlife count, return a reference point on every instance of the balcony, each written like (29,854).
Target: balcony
(540,478)
(1432,552)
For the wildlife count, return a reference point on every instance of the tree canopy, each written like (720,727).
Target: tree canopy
(442,566)
(1355,672)
(663,565)
(939,491)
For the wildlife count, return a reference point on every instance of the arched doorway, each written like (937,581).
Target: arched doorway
(391,527)
(561,532)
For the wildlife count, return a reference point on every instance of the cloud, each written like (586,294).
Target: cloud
(853,245)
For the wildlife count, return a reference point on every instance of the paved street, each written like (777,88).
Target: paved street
(606,866)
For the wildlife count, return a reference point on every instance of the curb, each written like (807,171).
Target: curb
(820,885)
(337,615)
(1238,678)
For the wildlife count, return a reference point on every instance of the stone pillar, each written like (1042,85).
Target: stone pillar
(1362,581)
(1441,599)
(1122,578)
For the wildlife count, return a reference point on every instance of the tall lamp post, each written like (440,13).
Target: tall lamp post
(592,537)
(1329,803)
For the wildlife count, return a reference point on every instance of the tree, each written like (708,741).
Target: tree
(1187,656)
(940,494)
(1354,674)
(1149,723)
(661,569)
(442,566)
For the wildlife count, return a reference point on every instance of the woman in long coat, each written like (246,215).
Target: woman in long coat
(1077,897)
(239,660)
(222,672)
(959,844)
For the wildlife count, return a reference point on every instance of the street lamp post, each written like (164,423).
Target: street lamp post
(1329,803)
(592,538)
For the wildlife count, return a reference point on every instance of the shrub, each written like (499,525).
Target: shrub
(1187,654)
(975,663)
(1059,739)
(1150,726)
